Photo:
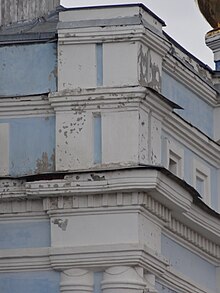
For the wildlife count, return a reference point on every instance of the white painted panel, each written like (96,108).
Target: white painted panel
(4,149)
(77,66)
(120,137)
(155,153)
(143,137)
(74,141)
(101,13)
(120,64)
(149,234)
(96,229)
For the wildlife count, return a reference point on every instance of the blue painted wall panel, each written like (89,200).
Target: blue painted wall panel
(196,111)
(188,263)
(26,282)
(28,69)
(217,65)
(25,234)
(32,145)
(214,188)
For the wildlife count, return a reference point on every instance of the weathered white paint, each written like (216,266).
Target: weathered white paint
(144,129)
(120,137)
(120,64)
(100,13)
(155,140)
(76,66)
(213,42)
(76,280)
(4,149)
(96,229)
(74,140)
(202,180)
(149,67)
(123,279)
(112,221)
(149,233)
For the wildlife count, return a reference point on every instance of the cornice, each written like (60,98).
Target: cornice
(141,190)
(24,259)
(103,256)
(191,79)
(139,31)
(28,106)
(192,138)
(89,257)
(93,35)
(137,180)
(194,239)
(132,202)
(199,216)
(107,98)
(181,283)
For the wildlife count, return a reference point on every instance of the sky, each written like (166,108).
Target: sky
(183,19)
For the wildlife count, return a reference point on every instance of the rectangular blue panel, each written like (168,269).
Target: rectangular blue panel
(28,69)
(217,65)
(32,145)
(189,263)
(97,138)
(25,234)
(97,282)
(30,282)
(99,64)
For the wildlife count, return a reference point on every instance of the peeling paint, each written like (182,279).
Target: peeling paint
(149,74)
(97,177)
(45,164)
(61,223)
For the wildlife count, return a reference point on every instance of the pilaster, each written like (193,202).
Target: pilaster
(76,280)
(124,279)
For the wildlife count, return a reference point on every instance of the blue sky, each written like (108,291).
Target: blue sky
(184,22)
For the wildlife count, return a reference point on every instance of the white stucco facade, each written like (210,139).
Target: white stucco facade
(110,183)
